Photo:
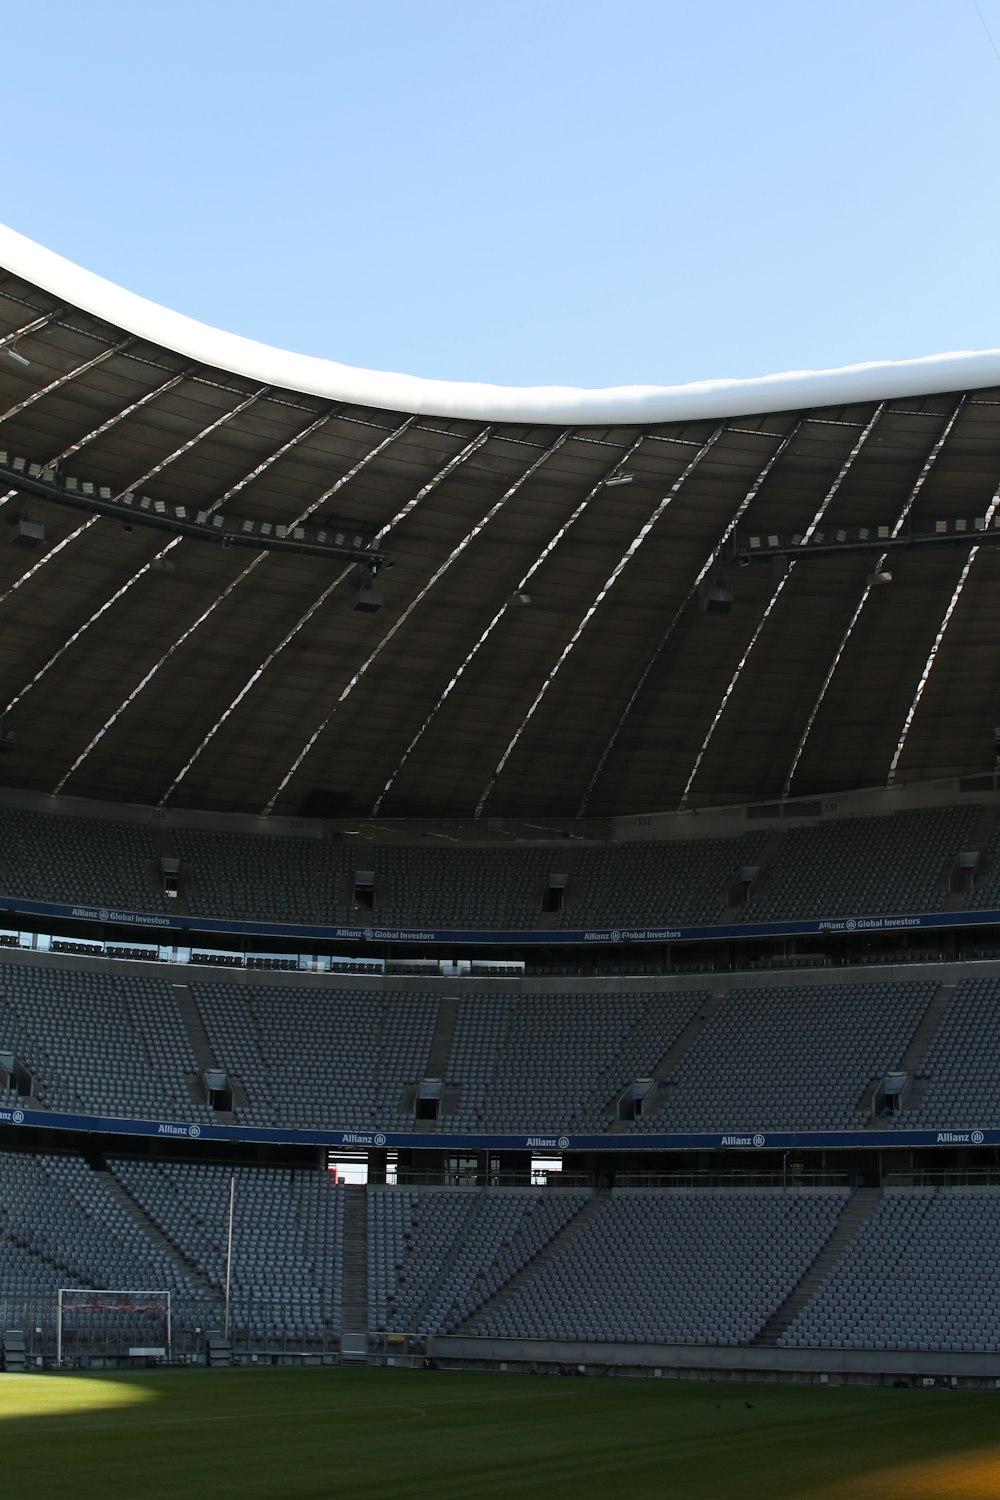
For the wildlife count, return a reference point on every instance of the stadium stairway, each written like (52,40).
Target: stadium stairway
(668,1062)
(962,883)
(916,1048)
(354,1324)
(205,1056)
(598,1200)
(857,1211)
(738,894)
(475,1208)
(444,1029)
(154,1233)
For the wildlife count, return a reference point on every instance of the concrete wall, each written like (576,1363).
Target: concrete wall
(752,1362)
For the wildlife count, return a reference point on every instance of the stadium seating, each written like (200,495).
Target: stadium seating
(322,1056)
(899,862)
(705,1266)
(702,1267)
(680,882)
(798,1057)
(287,1260)
(85,860)
(920,1274)
(522,1058)
(435,1256)
(100,1043)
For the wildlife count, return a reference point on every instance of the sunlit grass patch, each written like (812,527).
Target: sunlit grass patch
(67,1395)
(447,1435)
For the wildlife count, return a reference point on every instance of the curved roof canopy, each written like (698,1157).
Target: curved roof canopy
(566,628)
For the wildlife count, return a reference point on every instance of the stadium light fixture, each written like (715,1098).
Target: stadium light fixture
(15,357)
(618,479)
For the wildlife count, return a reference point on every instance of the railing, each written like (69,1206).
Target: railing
(258,1330)
(731,1179)
(944,1177)
(428,1177)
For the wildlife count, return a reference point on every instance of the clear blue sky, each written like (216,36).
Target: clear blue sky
(532,191)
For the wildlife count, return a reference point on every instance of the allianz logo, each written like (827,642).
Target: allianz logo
(960,1138)
(743,1140)
(194,1131)
(542,1140)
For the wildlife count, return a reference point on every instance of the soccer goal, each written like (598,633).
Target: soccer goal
(107,1320)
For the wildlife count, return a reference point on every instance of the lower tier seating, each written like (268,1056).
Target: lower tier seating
(907,1268)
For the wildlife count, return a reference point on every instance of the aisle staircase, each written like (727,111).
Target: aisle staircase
(857,1211)
(354,1326)
(567,1234)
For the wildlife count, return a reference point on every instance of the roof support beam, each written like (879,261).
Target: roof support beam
(95,432)
(10,340)
(518,589)
(311,509)
(595,603)
(62,380)
(900,523)
(435,578)
(842,474)
(141,572)
(147,678)
(711,562)
(341,577)
(946,620)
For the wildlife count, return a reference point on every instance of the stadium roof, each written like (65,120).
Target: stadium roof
(557,635)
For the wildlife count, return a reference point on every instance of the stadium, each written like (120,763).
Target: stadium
(499,880)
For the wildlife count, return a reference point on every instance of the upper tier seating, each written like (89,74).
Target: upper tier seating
(322,1056)
(798,1057)
(85,860)
(679,882)
(109,1044)
(330,1054)
(897,862)
(274,879)
(957,1082)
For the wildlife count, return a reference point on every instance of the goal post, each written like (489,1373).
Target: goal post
(141,1320)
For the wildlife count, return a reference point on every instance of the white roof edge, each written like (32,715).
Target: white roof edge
(566,405)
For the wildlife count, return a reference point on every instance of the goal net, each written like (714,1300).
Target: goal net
(107,1320)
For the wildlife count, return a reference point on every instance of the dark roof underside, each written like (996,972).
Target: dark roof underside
(221,678)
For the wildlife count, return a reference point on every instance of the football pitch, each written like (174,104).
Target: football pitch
(296,1433)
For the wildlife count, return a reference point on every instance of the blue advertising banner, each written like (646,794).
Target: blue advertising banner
(545,1142)
(185,927)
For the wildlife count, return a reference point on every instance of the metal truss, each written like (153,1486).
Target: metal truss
(897,528)
(842,474)
(592,608)
(501,612)
(142,571)
(707,567)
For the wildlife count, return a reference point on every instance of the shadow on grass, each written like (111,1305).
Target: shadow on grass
(372,1433)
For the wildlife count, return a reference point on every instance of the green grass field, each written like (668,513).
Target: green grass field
(299,1433)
